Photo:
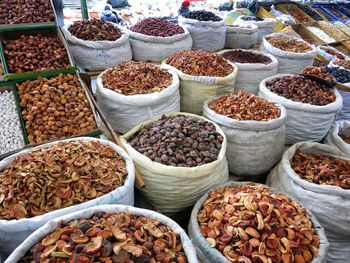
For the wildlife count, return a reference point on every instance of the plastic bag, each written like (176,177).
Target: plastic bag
(241,36)
(334,139)
(329,204)
(13,232)
(305,122)
(171,189)
(285,19)
(99,55)
(155,49)
(126,111)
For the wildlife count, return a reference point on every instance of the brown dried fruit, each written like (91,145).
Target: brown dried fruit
(318,72)
(289,44)
(345,135)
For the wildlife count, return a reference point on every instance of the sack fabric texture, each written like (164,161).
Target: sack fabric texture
(241,36)
(265,27)
(333,138)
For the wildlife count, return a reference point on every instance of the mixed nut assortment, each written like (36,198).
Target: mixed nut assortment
(321,34)
(158,27)
(132,78)
(300,89)
(59,176)
(203,15)
(318,72)
(200,63)
(242,56)
(94,30)
(321,169)
(345,135)
(289,44)
(19,11)
(340,75)
(244,106)
(55,108)
(182,141)
(345,63)
(332,30)
(249,223)
(110,238)
(35,52)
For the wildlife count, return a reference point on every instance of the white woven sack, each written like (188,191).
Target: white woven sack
(207,254)
(241,36)
(250,75)
(195,90)
(329,204)
(48,228)
(305,122)
(206,35)
(322,52)
(289,62)
(99,55)
(171,189)
(253,147)
(13,232)
(265,27)
(333,138)
(126,111)
(155,49)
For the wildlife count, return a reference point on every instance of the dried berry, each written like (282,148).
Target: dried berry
(245,106)
(131,78)
(182,141)
(200,63)
(289,44)
(298,88)
(202,15)
(249,223)
(321,169)
(55,108)
(242,56)
(94,30)
(341,75)
(58,176)
(157,27)
(318,72)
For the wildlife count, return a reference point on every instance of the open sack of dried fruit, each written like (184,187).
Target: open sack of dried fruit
(248,222)
(254,128)
(59,178)
(293,54)
(317,176)
(207,30)
(203,75)
(133,92)
(97,45)
(108,233)
(339,136)
(180,156)
(253,67)
(244,36)
(311,107)
(154,39)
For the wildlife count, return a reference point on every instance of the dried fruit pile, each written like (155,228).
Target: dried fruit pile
(94,30)
(321,169)
(345,63)
(341,75)
(203,15)
(58,176)
(182,141)
(248,223)
(314,15)
(332,30)
(345,137)
(242,56)
(200,63)
(300,89)
(157,27)
(245,106)
(55,108)
(334,53)
(117,238)
(289,44)
(131,78)
(298,16)
(318,72)
(19,11)
(35,52)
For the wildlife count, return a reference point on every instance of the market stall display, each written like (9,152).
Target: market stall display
(332,30)
(241,36)
(339,136)
(133,92)
(310,12)
(321,34)
(343,27)
(329,53)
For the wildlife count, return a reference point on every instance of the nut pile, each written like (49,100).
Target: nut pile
(244,106)
(131,78)
(249,223)
(313,14)
(110,237)
(35,52)
(242,56)
(321,169)
(11,136)
(200,63)
(59,176)
(158,27)
(289,44)
(345,63)
(321,34)
(94,30)
(341,75)
(182,141)
(318,72)
(342,27)
(345,135)
(55,108)
(203,15)
(310,40)
(332,30)
(19,11)
(300,89)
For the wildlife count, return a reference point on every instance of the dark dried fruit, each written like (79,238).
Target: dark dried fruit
(202,15)
(242,56)
(158,27)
